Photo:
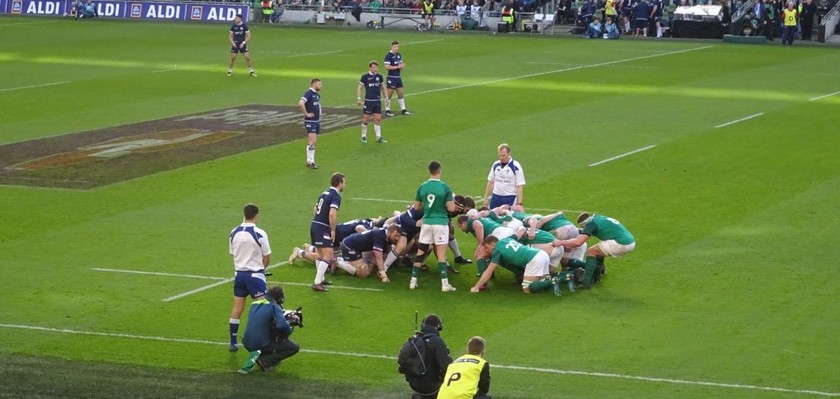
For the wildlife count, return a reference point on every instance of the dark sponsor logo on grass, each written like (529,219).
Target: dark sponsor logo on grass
(100,157)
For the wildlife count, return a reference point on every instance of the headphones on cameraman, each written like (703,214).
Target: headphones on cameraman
(433,320)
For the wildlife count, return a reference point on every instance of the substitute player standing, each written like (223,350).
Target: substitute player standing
(239,37)
(310,104)
(394,65)
(371,82)
(251,255)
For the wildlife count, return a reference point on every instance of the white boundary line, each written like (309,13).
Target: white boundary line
(825,96)
(35,86)
(739,120)
(166,70)
(622,155)
(477,202)
(219,281)
(531,75)
(99,269)
(391,358)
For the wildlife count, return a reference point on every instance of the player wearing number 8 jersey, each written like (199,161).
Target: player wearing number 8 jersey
(468,377)
(616,241)
(322,230)
(435,199)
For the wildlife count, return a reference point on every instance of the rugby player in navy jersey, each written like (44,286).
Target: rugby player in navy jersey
(371,82)
(342,231)
(409,229)
(310,104)
(239,36)
(322,230)
(394,65)
(376,241)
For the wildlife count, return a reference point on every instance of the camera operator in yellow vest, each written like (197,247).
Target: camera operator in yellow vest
(468,377)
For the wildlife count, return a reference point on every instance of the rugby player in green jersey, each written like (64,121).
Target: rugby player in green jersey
(435,198)
(615,241)
(516,257)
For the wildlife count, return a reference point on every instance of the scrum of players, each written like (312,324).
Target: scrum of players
(543,252)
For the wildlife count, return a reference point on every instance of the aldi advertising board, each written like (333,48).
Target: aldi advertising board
(131,9)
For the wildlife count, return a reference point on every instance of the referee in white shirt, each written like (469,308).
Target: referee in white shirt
(251,255)
(505,180)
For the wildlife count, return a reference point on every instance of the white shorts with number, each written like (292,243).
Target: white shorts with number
(614,249)
(437,234)
(538,266)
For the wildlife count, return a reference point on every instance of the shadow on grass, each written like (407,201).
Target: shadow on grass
(44,377)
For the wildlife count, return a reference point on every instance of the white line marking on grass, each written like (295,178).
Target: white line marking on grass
(331,287)
(383,200)
(668,380)
(28,23)
(207,287)
(391,358)
(292,54)
(319,53)
(34,86)
(531,75)
(220,280)
(166,70)
(739,120)
(622,155)
(422,42)
(99,269)
(478,201)
(825,96)
(197,290)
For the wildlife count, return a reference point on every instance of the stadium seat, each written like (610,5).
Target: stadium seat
(538,20)
(547,21)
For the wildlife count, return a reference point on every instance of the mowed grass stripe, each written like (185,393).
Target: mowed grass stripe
(393,358)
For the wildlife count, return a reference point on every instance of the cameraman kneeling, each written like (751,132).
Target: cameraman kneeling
(268,330)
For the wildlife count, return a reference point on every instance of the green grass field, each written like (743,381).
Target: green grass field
(732,291)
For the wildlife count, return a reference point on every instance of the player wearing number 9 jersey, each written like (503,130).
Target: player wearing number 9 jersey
(435,198)
(322,230)
(468,377)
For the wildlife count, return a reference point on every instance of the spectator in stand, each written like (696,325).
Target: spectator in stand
(460,14)
(656,17)
(806,18)
(627,7)
(475,11)
(610,29)
(593,31)
(642,18)
(587,11)
(770,20)
(279,9)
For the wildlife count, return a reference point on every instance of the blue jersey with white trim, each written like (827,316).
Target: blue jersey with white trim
(327,200)
(239,32)
(312,104)
(394,60)
(371,240)
(373,86)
